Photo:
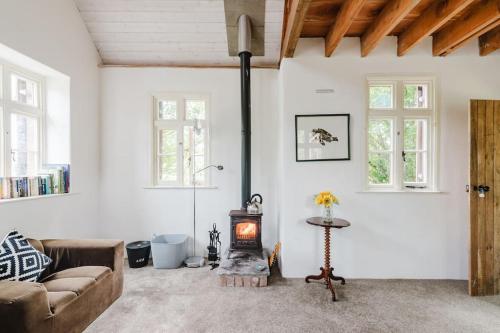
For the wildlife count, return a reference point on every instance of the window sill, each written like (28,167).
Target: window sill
(38,197)
(180,187)
(402,191)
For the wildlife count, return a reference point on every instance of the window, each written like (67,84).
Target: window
(401,134)
(180,139)
(21,119)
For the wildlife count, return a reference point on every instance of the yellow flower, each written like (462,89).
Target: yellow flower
(335,200)
(325,198)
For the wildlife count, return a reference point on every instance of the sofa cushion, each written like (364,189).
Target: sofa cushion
(94,272)
(36,244)
(77,285)
(19,261)
(59,299)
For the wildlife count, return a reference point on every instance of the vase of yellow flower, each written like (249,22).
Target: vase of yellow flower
(326,199)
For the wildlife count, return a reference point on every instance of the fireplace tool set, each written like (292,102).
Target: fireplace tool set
(214,247)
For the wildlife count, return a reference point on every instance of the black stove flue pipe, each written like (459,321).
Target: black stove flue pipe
(244,52)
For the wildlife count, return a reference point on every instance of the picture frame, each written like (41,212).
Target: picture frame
(322,137)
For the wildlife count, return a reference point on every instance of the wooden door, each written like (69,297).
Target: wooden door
(484,197)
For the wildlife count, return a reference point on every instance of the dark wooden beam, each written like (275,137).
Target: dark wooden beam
(489,42)
(428,22)
(343,21)
(479,19)
(393,12)
(294,23)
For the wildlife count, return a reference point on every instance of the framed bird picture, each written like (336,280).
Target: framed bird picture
(322,137)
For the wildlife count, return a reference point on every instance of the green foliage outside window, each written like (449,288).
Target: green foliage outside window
(410,143)
(380,97)
(380,143)
(410,96)
(195,109)
(167,109)
(379,168)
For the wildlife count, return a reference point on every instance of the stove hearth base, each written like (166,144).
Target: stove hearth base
(243,268)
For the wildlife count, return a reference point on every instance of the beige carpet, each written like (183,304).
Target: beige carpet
(190,300)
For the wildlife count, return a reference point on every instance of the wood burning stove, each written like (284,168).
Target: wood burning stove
(245,230)
(245,263)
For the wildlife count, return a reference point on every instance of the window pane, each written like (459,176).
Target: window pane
(379,134)
(188,170)
(200,164)
(194,139)
(168,141)
(168,168)
(416,96)
(24,145)
(415,134)
(24,90)
(195,109)
(379,168)
(415,167)
(380,96)
(167,110)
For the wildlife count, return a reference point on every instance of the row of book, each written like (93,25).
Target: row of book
(54,179)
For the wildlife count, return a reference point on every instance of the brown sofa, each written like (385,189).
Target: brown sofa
(84,279)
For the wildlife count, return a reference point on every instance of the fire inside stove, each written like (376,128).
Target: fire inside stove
(246,230)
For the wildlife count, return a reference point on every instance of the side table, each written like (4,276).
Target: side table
(327,271)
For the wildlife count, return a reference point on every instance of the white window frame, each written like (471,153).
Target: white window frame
(178,124)
(399,114)
(9,107)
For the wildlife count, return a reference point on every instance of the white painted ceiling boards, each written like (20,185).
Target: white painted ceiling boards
(171,32)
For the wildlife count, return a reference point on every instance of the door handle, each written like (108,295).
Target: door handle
(482,189)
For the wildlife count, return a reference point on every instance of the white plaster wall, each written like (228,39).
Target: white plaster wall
(398,235)
(129,209)
(52,32)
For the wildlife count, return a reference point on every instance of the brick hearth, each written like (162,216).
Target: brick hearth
(239,269)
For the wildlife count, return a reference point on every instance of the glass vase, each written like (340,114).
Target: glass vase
(327,214)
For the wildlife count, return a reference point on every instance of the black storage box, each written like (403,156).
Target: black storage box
(138,253)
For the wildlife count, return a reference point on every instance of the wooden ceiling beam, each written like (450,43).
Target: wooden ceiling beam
(489,42)
(428,22)
(393,12)
(293,28)
(343,21)
(476,35)
(480,19)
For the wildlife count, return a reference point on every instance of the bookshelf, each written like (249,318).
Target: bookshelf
(54,179)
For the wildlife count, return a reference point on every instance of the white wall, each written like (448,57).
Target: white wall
(52,32)
(393,235)
(129,209)
(399,235)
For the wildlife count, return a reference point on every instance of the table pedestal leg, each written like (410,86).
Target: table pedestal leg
(327,271)
(336,278)
(315,277)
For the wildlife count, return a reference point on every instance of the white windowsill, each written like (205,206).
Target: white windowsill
(402,191)
(161,187)
(38,197)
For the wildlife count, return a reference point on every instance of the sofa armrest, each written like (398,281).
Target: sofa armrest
(69,253)
(25,305)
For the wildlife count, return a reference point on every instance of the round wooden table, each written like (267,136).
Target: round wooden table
(327,271)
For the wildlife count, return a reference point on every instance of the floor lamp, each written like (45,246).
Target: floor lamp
(194,260)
